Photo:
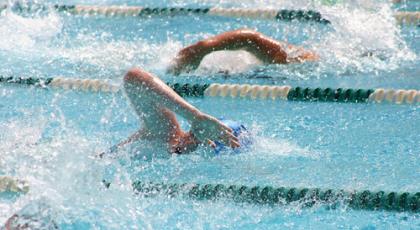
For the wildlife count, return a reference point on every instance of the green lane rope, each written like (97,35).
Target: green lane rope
(267,92)
(137,11)
(26,81)
(308,197)
(284,15)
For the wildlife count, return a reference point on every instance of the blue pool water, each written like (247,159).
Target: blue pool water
(49,137)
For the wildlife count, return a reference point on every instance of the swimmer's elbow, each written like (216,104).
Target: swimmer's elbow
(203,43)
(137,75)
(204,47)
(131,74)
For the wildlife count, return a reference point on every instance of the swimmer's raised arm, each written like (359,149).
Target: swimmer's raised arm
(161,92)
(146,90)
(156,104)
(266,49)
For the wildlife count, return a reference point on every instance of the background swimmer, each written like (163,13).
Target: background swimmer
(266,49)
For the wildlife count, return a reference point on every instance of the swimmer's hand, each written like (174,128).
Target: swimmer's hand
(207,128)
(299,55)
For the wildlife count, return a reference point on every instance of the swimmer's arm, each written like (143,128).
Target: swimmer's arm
(203,126)
(264,48)
(160,92)
(115,148)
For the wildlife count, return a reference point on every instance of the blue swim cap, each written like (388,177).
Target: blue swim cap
(240,132)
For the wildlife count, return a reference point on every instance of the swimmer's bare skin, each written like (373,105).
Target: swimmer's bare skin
(156,104)
(264,48)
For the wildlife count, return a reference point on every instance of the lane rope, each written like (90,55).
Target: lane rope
(408,18)
(262,92)
(10,184)
(305,197)
(138,11)
(402,17)
(265,195)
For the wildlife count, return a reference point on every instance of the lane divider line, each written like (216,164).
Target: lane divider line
(268,195)
(402,17)
(408,18)
(112,11)
(261,92)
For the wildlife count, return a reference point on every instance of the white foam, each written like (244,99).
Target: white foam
(118,56)
(280,147)
(358,30)
(229,62)
(18,33)
(53,166)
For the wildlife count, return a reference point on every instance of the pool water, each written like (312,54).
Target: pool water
(49,137)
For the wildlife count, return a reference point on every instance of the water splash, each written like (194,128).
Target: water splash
(227,62)
(24,34)
(62,169)
(272,147)
(117,56)
(51,170)
(363,40)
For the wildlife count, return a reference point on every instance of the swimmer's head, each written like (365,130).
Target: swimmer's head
(239,131)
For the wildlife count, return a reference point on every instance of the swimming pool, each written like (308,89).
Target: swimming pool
(49,137)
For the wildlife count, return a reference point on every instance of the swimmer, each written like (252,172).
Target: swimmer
(156,105)
(266,49)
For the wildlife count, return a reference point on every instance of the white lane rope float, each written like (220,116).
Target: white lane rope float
(261,92)
(408,18)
